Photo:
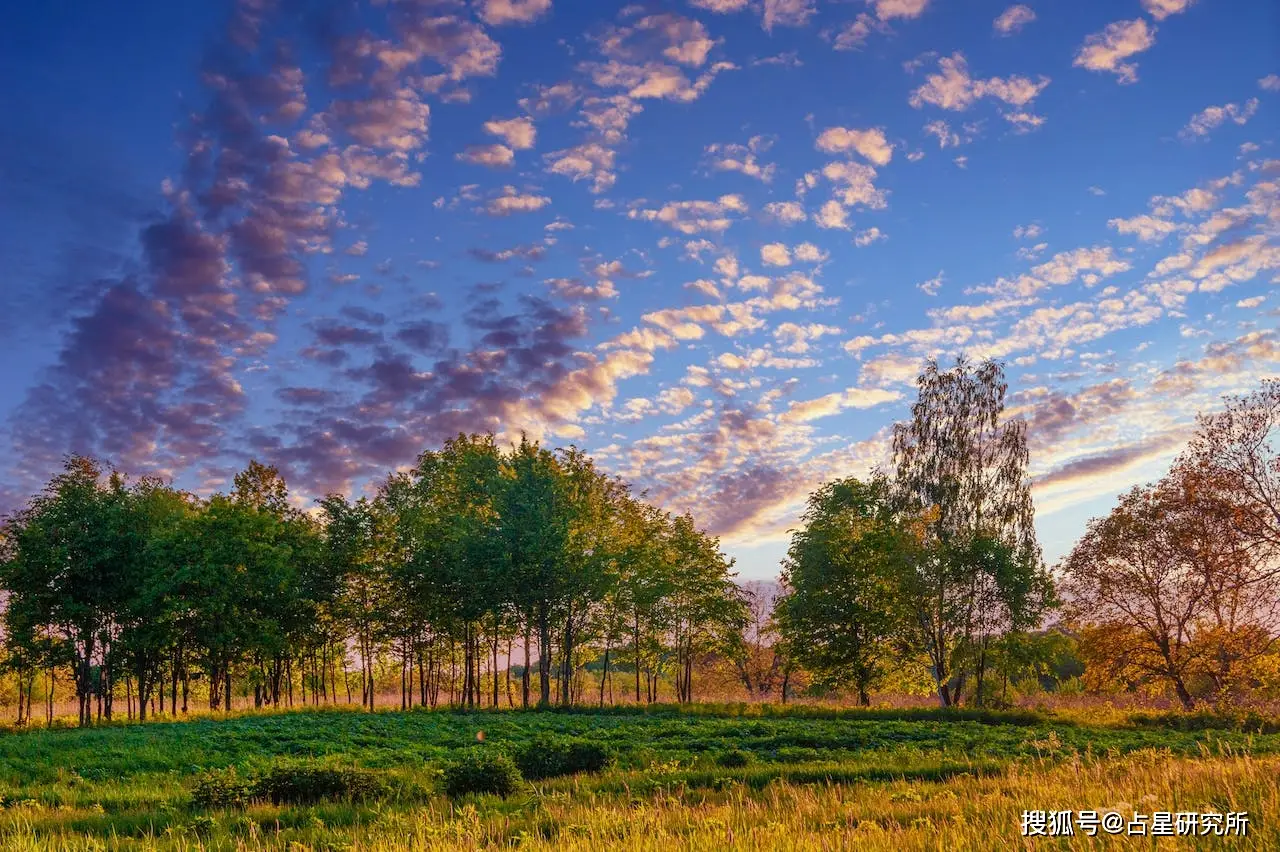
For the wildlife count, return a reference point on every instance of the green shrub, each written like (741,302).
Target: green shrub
(222,789)
(292,784)
(551,757)
(481,770)
(735,758)
(306,784)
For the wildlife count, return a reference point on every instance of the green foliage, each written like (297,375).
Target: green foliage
(550,757)
(289,783)
(224,788)
(960,481)
(306,784)
(482,770)
(137,587)
(840,611)
(735,758)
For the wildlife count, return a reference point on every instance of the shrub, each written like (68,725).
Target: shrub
(735,758)
(292,784)
(306,784)
(222,789)
(551,757)
(481,770)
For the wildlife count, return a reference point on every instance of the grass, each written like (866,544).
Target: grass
(800,778)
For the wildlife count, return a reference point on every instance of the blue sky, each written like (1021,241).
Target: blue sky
(712,242)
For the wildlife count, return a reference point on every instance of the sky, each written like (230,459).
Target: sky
(711,242)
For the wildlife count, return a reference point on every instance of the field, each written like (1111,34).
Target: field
(709,777)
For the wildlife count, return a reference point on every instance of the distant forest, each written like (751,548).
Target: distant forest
(523,576)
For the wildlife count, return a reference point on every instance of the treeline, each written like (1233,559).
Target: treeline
(934,563)
(138,589)
(483,575)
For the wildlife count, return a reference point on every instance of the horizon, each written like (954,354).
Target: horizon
(330,240)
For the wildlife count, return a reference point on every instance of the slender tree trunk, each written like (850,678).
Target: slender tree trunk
(524,676)
(636,634)
(604,675)
(544,656)
(495,663)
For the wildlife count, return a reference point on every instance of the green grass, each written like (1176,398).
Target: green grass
(130,786)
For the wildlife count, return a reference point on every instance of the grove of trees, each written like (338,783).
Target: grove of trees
(937,561)
(522,576)
(934,564)
(138,590)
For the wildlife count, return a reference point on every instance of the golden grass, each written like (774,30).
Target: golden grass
(961,813)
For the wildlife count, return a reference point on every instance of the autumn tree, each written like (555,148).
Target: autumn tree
(1169,588)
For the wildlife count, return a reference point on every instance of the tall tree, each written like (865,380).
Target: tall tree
(962,466)
(840,610)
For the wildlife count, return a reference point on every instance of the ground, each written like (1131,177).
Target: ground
(812,779)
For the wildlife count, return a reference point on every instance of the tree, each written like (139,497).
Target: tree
(839,611)
(709,609)
(535,529)
(356,539)
(961,467)
(1236,459)
(65,572)
(1166,588)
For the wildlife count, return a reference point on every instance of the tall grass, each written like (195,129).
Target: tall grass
(807,779)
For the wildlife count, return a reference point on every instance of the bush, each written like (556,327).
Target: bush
(222,789)
(292,784)
(735,758)
(551,757)
(481,770)
(303,784)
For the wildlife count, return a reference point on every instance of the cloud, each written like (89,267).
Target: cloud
(1149,229)
(786,212)
(1270,83)
(834,403)
(518,133)
(499,12)
(796,338)
(722,7)
(871,144)
(1063,268)
(854,184)
(513,201)
(869,236)
(742,158)
(775,254)
(1013,19)
(1212,117)
(887,10)
(832,215)
(787,13)
(932,286)
(952,88)
(591,162)
(1161,9)
(493,156)
(1107,50)
(693,217)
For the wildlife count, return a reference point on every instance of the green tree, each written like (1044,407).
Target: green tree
(961,466)
(840,612)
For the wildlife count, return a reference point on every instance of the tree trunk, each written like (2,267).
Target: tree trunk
(544,656)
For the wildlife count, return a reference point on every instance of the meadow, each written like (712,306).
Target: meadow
(700,777)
